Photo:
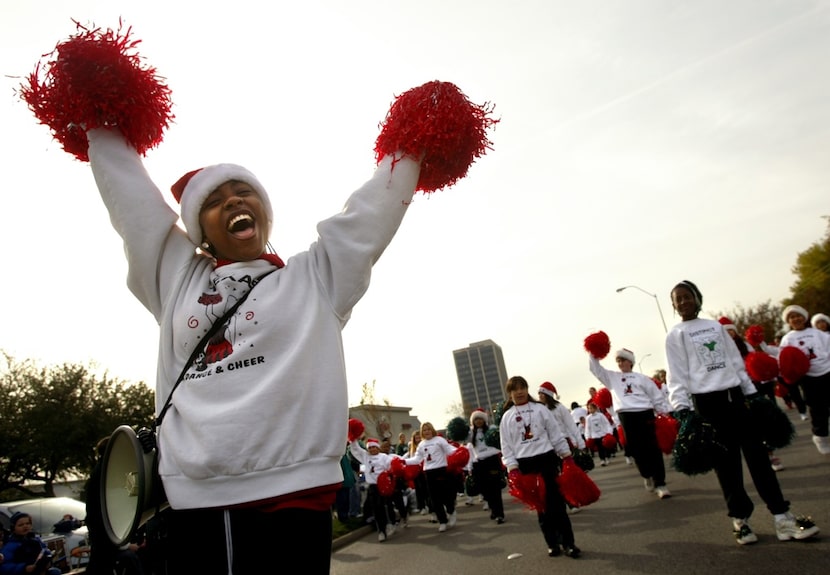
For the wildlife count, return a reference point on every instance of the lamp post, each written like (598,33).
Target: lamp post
(642,359)
(657,301)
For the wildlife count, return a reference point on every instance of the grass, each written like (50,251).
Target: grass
(339,529)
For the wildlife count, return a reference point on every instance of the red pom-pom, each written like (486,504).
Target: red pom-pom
(436,122)
(666,428)
(458,459)
(591,444)
(598,344)
(411,472)
(529,488)
(608,442)
(386,484)
(602,398)
(760,366)
(781,390)
(398,467)
(754,335)
(793,364)
(95,79)
(575,486)
(621,435)
(356,429)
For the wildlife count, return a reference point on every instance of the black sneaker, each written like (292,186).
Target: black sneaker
(499,520)
(554,551)
(572,551)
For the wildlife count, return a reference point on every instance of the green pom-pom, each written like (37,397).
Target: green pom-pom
(697,447)
(492,437)
(458,429)
(771,424)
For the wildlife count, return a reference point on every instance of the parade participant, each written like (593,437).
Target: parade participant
(432,453)
(486,465)
(707,374)
(374,463)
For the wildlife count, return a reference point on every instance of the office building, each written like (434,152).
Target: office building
(481,375)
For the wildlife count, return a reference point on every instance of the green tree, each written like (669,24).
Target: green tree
(811,289)
(766,314)
(54,416)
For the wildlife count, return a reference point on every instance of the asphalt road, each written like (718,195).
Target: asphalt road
(628,530)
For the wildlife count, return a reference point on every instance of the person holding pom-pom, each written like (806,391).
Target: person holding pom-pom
(486,464)
(234,468)
(432,452)
(532,442)
(707,374)
(375,464)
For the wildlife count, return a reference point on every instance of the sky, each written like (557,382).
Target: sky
(640,142)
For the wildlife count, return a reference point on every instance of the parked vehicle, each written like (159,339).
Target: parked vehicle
(46,513)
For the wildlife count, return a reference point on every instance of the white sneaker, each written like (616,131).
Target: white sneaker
(822,444)
(628,461)
(424,511)
(776,464)
(662,492)
(469,501)
(648,482)
(791,527)
(603,463)
(574,510)
(453,519)
(743,534)
(442,527)
(485,507)
(803,416)
(405,522)
(381,537)
(390,529)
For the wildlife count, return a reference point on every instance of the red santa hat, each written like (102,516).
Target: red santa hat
(479,413)
(193,188)
(727,324)
(548,389)
(372,442)
(625,354)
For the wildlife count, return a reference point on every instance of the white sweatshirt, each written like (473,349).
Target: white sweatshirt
(597,426)
(373,465)
(568,426)
(270,419)
(528,430)
(815,344)
(702,358)
(432,452)
(630,391)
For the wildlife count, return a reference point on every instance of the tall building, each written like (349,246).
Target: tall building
(481,375)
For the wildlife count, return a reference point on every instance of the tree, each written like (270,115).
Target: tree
(812,268)
(766,314)
(53,417)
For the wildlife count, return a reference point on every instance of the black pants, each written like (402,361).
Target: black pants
(488,474)
(380,506)
(727,412)
(817,397)
(641,444)
(204,541)
(554,522)
(442,492)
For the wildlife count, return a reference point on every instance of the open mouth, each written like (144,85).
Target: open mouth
(242,226)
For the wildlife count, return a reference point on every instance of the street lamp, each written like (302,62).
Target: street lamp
(657,301)
(642,359)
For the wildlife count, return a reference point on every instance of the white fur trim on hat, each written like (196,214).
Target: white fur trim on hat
(203,183)
(372,443)
(818,317)
(479,414)
(797,309)
(625,354)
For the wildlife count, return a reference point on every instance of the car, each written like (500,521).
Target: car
(46,512)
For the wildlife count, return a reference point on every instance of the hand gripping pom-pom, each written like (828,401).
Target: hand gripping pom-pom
(95,79)
(356,429)
(575,486)
(697,447)
(598,344)
(793,364)
(437,123)
(754,335)
(760,366)
(602,398)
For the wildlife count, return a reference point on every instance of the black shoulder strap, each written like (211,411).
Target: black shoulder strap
(197,349)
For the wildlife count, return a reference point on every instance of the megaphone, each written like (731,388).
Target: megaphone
(131,489)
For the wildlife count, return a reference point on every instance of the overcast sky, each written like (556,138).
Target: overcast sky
(641,142)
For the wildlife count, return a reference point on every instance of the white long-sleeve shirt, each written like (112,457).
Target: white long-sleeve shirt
(597,426)
(702,358)
(630,391)
(815,344)
(231,436)
(568,426)
(373,465)
(432,453)
(528,430)
(478,446)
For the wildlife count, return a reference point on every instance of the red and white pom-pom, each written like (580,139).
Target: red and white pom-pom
(621,435)
(609,442)
(458,459)
(760,366)
(598,344)
(793,364)
(575,486)
(386,484)
(754,335)
(665,429)
(529,488)
(436,122)
(602,398)
(356,429)
(95,79)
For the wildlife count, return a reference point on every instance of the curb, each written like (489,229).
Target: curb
(350,537)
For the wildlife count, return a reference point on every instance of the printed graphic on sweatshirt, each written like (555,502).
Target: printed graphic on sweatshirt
(710,347)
